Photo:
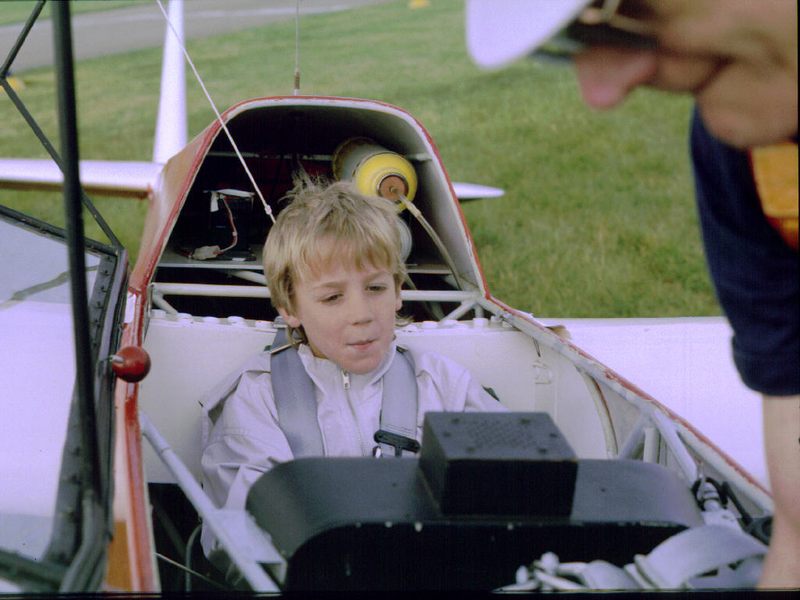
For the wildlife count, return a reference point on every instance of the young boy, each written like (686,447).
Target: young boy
(333,262)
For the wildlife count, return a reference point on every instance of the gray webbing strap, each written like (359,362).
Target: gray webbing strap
(295,399)
(706,557)
(693,552)
(399,405)
(601,575)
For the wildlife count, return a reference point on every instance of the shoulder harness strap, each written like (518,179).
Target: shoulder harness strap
(399,405)
(295,400)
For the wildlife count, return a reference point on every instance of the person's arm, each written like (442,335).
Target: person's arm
(782,442)
(446,385)
(245,443)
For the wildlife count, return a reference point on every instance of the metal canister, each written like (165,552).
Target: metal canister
(374,169)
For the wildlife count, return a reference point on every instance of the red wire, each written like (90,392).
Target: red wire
(235,233)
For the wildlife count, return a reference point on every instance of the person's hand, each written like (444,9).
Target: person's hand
(736,57)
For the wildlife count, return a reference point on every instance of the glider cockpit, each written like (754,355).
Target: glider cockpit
(210,309)
(209,312)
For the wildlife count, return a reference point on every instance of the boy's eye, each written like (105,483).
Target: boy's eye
(376,287)
(330,299)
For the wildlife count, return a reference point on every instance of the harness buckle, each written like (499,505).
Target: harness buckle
(399,442)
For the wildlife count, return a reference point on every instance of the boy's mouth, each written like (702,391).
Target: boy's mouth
(361,345)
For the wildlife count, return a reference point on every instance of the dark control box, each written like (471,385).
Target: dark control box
(498,464)
(497,491)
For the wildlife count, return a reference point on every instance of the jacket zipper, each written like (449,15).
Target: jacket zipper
(346,386)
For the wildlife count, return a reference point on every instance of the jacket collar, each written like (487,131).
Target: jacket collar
(323,371)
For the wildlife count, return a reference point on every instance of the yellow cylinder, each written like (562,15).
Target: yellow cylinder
(374,170)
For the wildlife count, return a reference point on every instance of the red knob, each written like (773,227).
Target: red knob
(131,363)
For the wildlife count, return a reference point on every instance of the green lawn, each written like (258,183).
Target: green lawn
(598,217)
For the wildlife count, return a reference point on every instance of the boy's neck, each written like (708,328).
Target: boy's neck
(305,349)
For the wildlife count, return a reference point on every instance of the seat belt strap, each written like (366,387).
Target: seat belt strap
(706,557)
(398,421)
(674,563)
(295,399)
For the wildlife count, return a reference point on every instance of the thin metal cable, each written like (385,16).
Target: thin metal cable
(434,237)
(178,565)
(267,207)
(297,49)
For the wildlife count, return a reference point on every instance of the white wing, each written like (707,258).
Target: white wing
(122,178)
(474,191)
(97,176)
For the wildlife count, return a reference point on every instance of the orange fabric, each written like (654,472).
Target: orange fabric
(775,170)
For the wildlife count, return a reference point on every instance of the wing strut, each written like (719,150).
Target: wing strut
(171,126)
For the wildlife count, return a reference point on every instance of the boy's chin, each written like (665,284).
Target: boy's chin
(362,361)
(361,367)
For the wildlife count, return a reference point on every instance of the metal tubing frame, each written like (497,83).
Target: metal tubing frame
(34,126)
(251,291)
(23,35)
(68,130)
(86,567)
(251,570)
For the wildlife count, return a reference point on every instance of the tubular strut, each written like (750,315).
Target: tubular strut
(34,126)
(247,546)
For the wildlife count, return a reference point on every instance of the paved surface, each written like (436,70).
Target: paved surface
(142,26)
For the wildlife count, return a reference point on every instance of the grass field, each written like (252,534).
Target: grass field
(598,219)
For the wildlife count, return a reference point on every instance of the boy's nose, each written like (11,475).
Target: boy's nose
(359,309)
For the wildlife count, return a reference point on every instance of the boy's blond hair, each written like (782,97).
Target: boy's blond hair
(364,229)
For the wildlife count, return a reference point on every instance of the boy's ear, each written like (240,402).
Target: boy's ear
(291,320)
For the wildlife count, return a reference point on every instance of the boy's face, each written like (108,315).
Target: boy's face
(348,315)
